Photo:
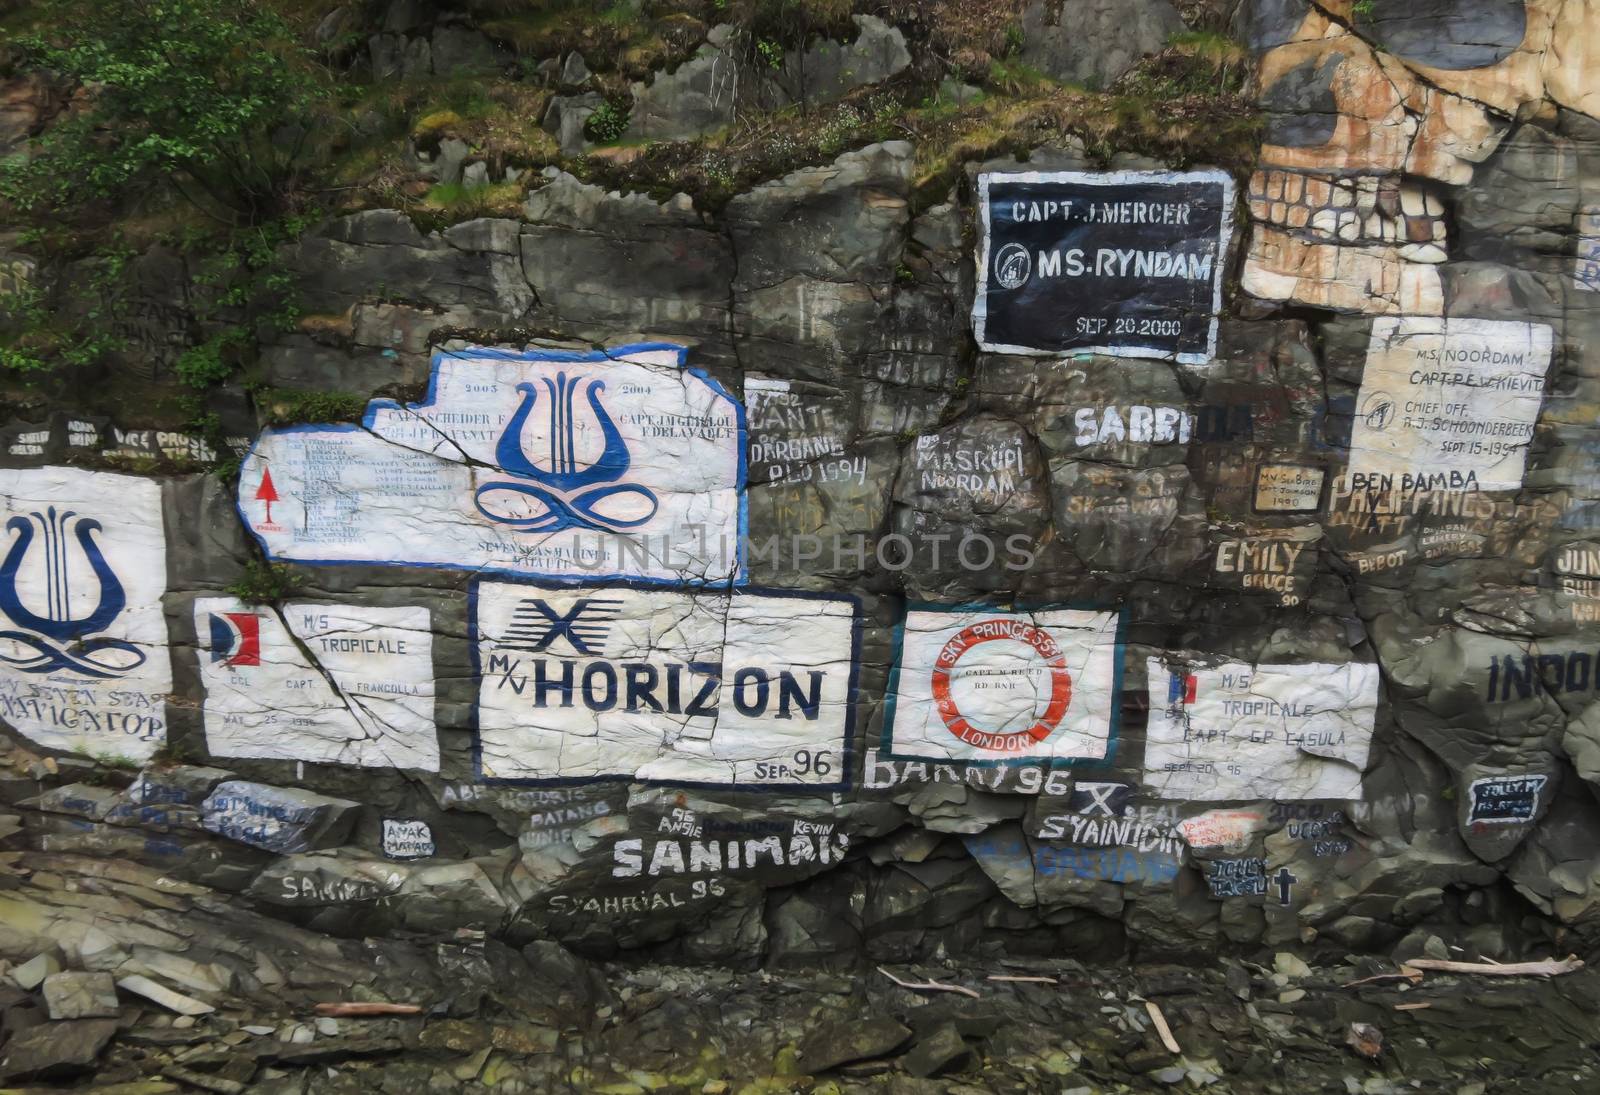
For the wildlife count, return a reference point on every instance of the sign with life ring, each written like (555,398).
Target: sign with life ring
(1045,650)
(1005,687)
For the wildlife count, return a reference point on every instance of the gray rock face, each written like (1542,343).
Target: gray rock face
(835,1044)
(403,16)
(447,163)
(459,51)
(487,285)
(565,119)
(601,262)
(698,97)
(415,41)
(1094,41)
(985,464)
(574,72)
(1521,207)
(705,93)
(334,25)
(830,70)
(56,1050)
(1131,655)
(936,1052)
(815,251)
(80,996)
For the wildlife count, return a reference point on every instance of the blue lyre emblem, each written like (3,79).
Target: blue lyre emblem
(564,495)
(57,640)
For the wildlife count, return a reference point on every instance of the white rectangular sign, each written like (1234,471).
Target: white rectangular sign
(1288,488)
(364,696)
(1241,731)
(1448,404)
(752,689)
(407,839)
(977,685)
(547,463)
(83,641)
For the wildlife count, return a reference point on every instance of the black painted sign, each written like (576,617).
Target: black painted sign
(1505,799)
(1125,262)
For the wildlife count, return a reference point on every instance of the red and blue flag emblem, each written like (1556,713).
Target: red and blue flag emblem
(236,638)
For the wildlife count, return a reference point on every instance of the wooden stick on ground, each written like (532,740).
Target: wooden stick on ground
(1418,1006)
(1548,967)
(1406,974)
(929,985)
(1161,1027)
(357,1011)
(1019,977)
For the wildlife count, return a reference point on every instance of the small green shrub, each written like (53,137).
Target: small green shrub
(76,324)
(116,762)
(212,361)
(292,406)
(264,583)
(607,124)
(1016,37)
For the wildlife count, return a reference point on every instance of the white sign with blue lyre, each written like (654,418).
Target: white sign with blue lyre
(549,463)
(83,641)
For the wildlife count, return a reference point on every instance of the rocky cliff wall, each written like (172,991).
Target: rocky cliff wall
(1098,553)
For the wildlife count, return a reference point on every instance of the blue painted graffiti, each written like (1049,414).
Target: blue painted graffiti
(565,496)
(1075,861)
(58,640)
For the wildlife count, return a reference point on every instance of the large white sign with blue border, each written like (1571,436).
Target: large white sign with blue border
(83,642)
(556,464)
(745,689)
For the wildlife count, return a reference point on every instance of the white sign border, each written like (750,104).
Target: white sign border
(737,579)
(1532,818)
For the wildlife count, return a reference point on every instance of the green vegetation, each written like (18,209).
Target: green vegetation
(113,761)
(1184,105)
(287,406)
(212,97)
(451,203)
(36,335)
(791,23)
(188,105)
(1015,38)
(1194,63)
(264,583)
(226,107)
(176,750)
(608,123)
(240,277)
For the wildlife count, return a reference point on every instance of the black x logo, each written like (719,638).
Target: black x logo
(535,625)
